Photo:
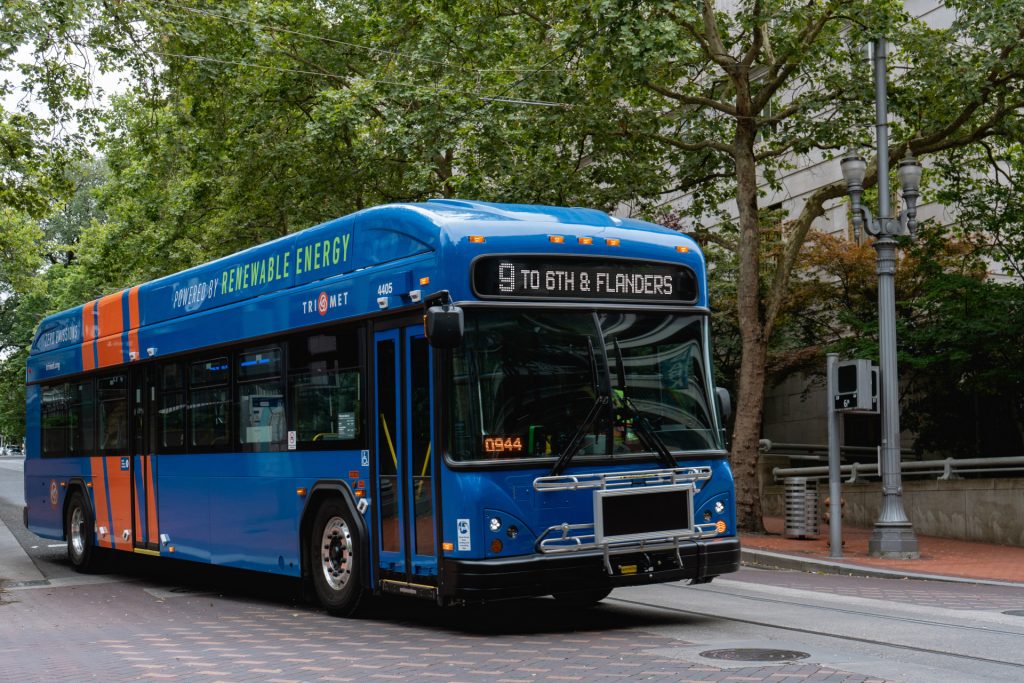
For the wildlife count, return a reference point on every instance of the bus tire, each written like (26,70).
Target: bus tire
(334,560)
(584,598)
(80,531)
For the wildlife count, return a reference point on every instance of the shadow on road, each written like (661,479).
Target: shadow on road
(508,617)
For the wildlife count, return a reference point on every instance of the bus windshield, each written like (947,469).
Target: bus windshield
(525,383)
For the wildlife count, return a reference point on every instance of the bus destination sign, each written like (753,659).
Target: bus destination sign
(533,277)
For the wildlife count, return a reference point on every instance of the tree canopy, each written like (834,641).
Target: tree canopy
(250,119)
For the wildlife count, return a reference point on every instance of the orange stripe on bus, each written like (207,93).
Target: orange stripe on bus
(111,315)
(133,345)
(137,523)
(154,527)
(88,331)
(120,502)
(133,308)
(110,351)
(99,503)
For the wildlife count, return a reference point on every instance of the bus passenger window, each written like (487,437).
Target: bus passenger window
(325,391)
(54,420)
(81,435)
(172,408)
(209,404)
(113,414)
(261,410)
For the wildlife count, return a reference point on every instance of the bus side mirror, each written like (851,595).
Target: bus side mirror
(724,403)
(443,326)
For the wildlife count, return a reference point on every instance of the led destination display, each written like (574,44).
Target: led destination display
(605,280)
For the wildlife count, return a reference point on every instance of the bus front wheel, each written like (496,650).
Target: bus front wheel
(334,561)
(80,532)
(583,598)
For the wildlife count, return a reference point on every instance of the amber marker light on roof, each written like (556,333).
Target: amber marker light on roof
(556,239)
(612,242)
(585,240)
(477,239)
(681,249)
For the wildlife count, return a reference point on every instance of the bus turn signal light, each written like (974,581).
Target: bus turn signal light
(300,491)
(496,545)
(681,249)
(477,239)
(720,527)
(447,545)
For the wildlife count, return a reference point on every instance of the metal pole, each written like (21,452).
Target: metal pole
(893,534)
(835,524)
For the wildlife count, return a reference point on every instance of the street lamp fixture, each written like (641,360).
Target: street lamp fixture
(893,535)
(854,168)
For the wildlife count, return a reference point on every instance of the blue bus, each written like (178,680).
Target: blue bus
(453,400)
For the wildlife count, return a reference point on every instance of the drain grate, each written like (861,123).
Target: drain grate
(750,654)
(1015,612)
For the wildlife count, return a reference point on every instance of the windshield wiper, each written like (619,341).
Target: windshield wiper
(602,400)
(646,433)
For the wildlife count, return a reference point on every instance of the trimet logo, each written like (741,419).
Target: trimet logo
(325,302)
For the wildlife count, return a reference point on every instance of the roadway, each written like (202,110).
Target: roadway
(164,620)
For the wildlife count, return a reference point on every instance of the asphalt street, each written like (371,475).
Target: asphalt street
(153,619)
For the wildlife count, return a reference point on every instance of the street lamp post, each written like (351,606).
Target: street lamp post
(893,535)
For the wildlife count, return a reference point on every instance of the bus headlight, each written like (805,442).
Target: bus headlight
(495,524)
(719,507)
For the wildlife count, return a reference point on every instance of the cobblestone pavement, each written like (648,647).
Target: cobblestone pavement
(909,591)
(138,630)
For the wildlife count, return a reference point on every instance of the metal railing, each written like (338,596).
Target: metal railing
(947,468)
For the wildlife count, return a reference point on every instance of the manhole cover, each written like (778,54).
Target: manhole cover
(1015,612)
(750,654)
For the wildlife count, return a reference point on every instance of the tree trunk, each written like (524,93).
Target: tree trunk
(754,344)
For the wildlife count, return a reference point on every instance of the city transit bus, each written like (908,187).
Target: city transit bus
(453,400)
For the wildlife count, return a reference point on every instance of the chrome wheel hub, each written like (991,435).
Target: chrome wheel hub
(76,533)
(336,553)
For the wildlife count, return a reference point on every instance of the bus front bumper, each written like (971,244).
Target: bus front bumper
(475,580)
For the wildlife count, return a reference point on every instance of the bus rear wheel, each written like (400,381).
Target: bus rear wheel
(583,598)
(334,560)
(79,529)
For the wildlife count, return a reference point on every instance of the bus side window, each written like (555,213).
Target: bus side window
(113,415)
(209,404)
(261,407)
(54,409)
(82,432)
(325,392)
(172,408)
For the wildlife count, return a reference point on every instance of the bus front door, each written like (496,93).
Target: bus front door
(404,493)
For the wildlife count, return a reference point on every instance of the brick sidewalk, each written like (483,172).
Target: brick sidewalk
(939,556)
(118,632)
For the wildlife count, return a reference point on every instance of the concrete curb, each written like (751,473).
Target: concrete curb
(764,559)
(16,567)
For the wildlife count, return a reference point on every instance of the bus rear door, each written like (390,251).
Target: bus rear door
(145,531)
(404,494)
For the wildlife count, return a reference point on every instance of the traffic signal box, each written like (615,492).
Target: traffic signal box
(856,385)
